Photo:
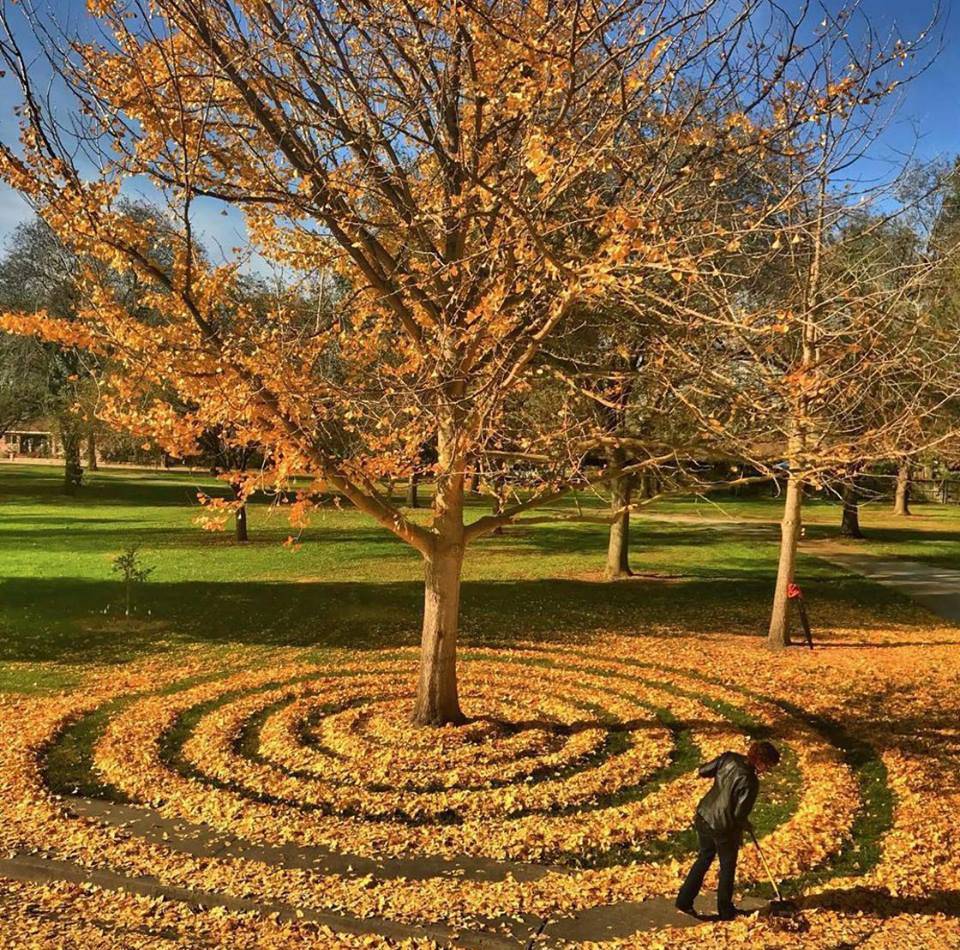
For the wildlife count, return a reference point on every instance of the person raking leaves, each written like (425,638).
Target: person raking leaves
(722,816)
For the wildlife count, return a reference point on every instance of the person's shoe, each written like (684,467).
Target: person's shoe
(685,908)
(731,913)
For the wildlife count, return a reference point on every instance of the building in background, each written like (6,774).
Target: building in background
(33,439)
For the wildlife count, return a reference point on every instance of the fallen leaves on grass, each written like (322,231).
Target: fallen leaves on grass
(554,766)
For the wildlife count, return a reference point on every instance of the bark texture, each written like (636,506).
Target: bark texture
(498,501)
(92,451)
(618,545)
(778,635)
(241,516)
(72,469)
(437,700)
(850,522)
(901,500)
(412,500)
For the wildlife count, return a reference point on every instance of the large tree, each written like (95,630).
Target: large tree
(475,174)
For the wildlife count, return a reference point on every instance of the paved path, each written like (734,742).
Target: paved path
(747,527)
(43,870)
(502,933)
(617,921)
(936,588)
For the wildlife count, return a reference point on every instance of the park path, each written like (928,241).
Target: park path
(936,588)
(755,527)
(503,933)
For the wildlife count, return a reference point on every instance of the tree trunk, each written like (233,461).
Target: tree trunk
(498,501)
(72,469)
(412,500)
(437,700)
(618,546)
(850,522)
(241,515)
(92,451)
(901,501)
(778,635)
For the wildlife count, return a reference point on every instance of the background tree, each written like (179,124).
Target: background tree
(901,499)
(880,250)
(867,369)
(826,354)
(925,228)
(49,380)
(850,504)
(23,376)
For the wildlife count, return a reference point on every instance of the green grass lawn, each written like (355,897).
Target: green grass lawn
(350,584)
(931,534)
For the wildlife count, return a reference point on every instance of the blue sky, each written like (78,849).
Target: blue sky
(926,125)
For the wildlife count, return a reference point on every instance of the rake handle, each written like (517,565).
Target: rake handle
(766,867)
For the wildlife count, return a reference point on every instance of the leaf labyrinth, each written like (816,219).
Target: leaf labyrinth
(572,788)
(573,775)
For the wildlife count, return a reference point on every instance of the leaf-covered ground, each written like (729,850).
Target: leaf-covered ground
(578,758)
(268,742)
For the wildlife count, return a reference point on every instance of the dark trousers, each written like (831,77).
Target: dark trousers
(710,846)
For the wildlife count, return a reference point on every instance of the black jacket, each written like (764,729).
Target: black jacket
(726,807)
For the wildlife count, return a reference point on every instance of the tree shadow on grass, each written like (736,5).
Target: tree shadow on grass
(55,533)
(879,903)
(80,621)
(116,487)
(897,644)
(564,537)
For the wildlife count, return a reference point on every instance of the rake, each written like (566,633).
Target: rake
(781,907)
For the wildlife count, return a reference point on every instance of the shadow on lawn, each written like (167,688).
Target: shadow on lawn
(591,538)
(44,485)
(55,533)
(876,534)
(878,903)
(79,621)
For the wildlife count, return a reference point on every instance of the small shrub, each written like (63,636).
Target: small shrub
(132,571)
